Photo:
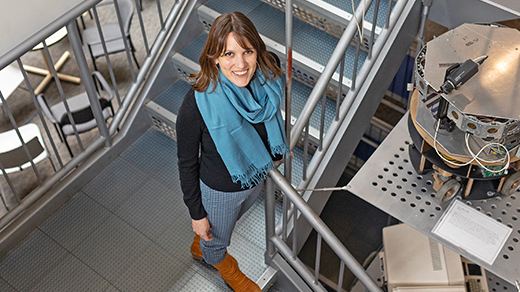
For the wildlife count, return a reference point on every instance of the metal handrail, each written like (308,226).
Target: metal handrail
(46,31)
(107,134)
(349,99)
(293,202)
(320,90)
(323,81)
(322,229)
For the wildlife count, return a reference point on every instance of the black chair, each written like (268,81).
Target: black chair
(81,111)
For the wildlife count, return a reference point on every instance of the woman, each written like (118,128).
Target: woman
(232,116)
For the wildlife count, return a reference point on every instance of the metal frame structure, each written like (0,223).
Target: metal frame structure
(46,197)
(296,211)
(351,112)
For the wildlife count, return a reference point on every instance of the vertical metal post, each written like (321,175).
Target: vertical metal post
(288,83)
(424,16)
(88,82)
(295,234)
(322,118)
(305,151)
(127,49)
(105,52)
(340,86)
(159,10)
(318,259)
(62,94)
(405,79)
(10,183)
(15,126)
(373,32)
(141,23)
(340,280)
(288,101)
(39,111)
(356,61)
(269,219)
(388,12)
(285,209)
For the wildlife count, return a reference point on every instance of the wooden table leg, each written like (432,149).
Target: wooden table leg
(48,73)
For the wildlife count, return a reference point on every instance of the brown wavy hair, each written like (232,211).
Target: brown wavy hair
(245,31)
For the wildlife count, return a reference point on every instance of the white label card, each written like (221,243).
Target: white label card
(472,231)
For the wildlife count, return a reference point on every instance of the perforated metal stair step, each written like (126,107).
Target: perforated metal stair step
(369,16)
(309,41)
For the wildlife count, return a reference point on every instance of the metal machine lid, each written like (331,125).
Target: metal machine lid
(495,90)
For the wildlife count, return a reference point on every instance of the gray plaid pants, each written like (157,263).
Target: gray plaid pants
(224,209)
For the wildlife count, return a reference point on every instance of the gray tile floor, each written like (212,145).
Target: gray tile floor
(128,230)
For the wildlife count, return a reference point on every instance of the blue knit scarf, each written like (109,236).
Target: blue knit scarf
(228,112)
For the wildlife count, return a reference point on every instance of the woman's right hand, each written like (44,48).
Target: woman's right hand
(202,228)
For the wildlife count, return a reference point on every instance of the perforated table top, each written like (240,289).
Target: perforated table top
(389,181)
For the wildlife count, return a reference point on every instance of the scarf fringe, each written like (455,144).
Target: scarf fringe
(279,149)
(253,176)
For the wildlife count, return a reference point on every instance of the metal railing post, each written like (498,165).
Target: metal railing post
(424,16)
(288,83)
(356,62)
(141,23)
(322,119)
(323,81)
(269,219)
(373,31)
(88,82)
(127,49)
(340,87)
(39,111)
(324,230)
(22,141)
(317,263)
(105,52)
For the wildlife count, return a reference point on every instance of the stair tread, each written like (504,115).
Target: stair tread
(233,5)
(308,40)
(193,50)
(347,7)
(171,98)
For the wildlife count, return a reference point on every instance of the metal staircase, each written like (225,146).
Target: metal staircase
(125,226)
(313,45)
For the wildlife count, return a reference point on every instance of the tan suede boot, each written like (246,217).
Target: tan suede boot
(196,252)
(230,272)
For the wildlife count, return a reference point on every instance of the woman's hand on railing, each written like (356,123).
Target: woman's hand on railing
(279,162)
(202,228)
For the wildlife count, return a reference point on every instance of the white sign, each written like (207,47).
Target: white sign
(472,231)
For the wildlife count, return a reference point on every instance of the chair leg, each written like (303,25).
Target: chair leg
(94,63)
(52,163)
(68,147)
(82,21)
(2,194)
(133,52)
(112,108)
(59,133)
(93,59)
(66,143)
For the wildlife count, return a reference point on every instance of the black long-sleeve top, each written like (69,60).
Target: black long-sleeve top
(192,135)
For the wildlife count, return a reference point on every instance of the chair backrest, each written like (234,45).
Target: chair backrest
(18,157)
(45,108)
(12,153)
(126,7)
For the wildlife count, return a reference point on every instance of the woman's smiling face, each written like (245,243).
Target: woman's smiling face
(236,63)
